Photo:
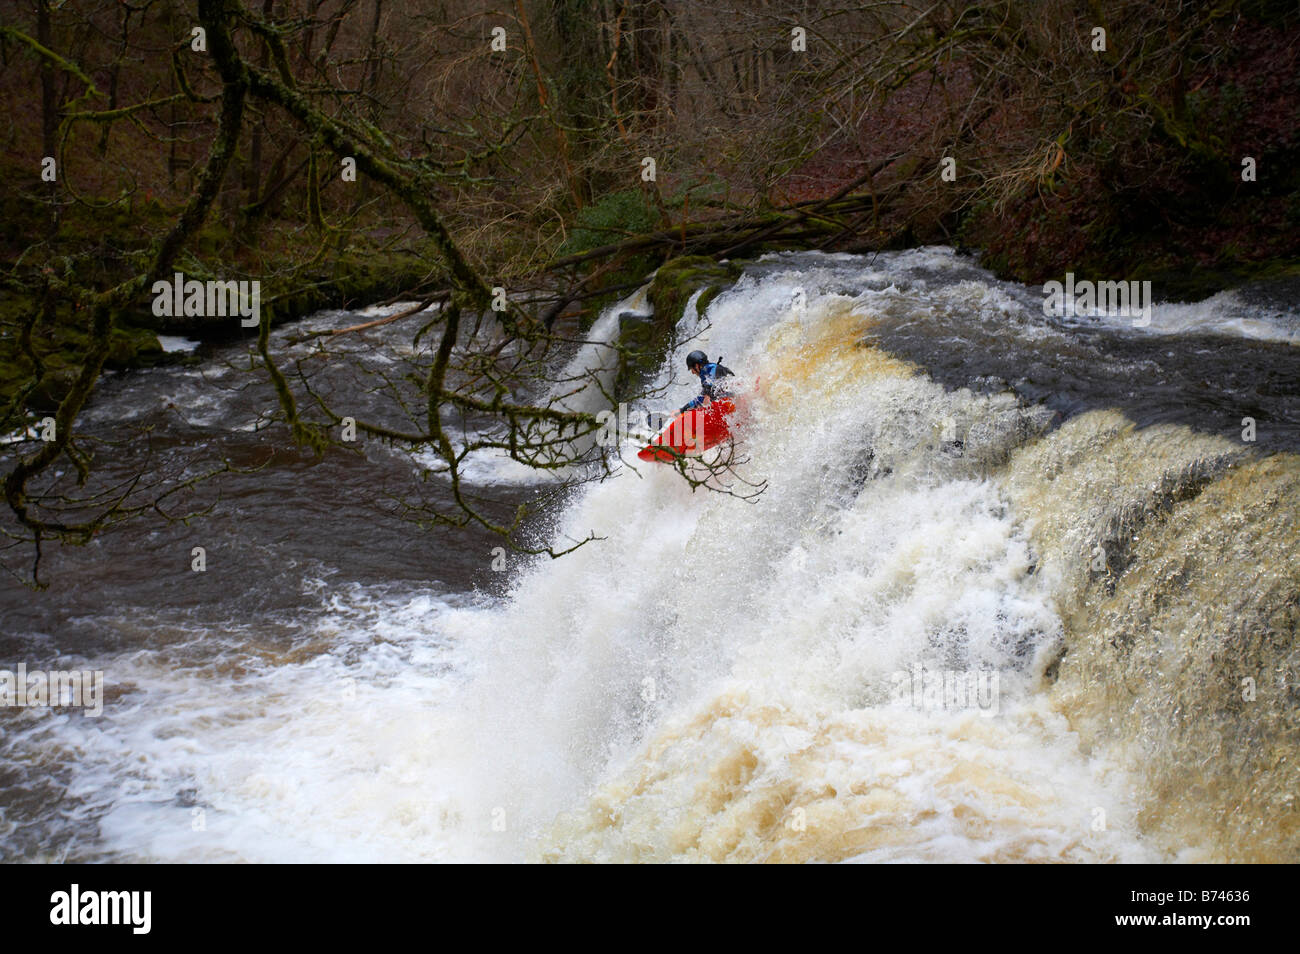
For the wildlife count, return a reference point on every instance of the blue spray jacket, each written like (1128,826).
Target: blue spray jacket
(708,389)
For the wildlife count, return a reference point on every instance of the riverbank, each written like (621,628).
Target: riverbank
(108,245)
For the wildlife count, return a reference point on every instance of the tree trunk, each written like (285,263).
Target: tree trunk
(49,107)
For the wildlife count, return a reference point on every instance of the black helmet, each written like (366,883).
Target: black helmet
(694,358)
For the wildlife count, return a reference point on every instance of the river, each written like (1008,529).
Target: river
(1062,511)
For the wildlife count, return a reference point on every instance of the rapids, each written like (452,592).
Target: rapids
(955,484)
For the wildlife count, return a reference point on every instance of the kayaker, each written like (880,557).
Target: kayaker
(697,362)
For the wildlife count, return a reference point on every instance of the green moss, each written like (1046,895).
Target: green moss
(614,217)
(132,347)
(61,349)
(1177,282)
(679,278)
(133,343)
(643,341)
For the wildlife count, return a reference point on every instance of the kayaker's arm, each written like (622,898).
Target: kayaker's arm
(707,375)
(695,402)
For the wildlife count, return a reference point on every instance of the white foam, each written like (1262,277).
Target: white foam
(703,645)
(172,343)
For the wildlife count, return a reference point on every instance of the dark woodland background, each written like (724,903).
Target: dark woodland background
(771,124)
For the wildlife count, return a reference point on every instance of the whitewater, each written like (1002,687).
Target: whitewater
(953,483)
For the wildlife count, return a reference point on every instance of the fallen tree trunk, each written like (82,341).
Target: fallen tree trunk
(726,236)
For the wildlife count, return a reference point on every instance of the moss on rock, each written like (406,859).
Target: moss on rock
(642,341)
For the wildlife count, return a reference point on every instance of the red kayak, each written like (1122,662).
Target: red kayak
(691,431)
